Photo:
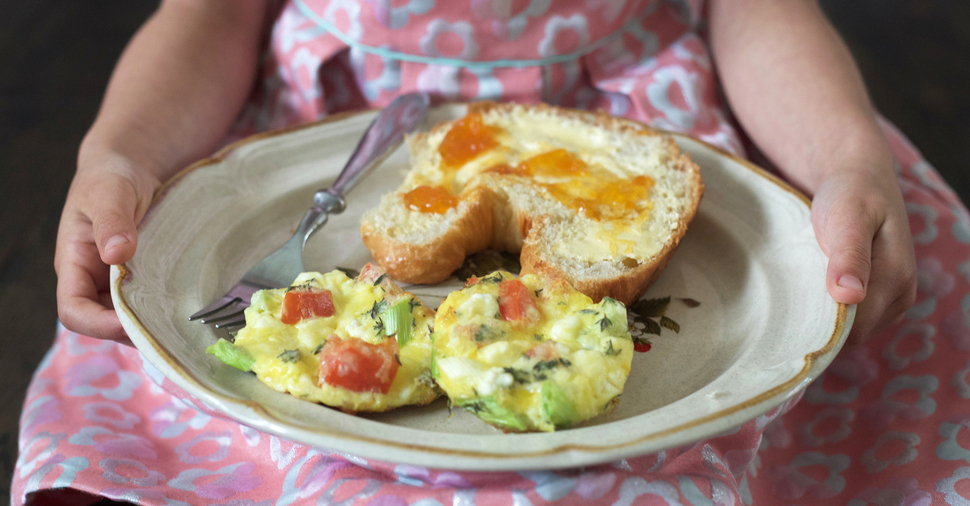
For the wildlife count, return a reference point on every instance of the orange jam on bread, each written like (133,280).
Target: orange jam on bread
(555,163)
(467,138)
(605,198)
(430,199)
(597,193)
(587,188)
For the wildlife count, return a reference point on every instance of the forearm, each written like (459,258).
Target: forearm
(179,85)
(795,89)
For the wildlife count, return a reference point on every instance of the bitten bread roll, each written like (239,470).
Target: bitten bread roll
(599,201)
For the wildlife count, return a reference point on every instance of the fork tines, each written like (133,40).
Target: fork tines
(216,313)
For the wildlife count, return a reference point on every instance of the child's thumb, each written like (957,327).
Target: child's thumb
(113,222)
(849,241)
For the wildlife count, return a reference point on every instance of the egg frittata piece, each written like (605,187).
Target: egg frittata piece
(354,344)
(527,354)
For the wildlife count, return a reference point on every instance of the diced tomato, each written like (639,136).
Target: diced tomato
(373,274)
(299,305)
(516,303)
(357,365)
(544,351)
(370,273)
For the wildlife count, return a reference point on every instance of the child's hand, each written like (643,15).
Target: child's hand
(106,200)
(861,224)
(172,98)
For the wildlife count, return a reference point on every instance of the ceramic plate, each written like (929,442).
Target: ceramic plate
(763,329)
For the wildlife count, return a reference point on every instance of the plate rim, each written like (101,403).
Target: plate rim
(192,385)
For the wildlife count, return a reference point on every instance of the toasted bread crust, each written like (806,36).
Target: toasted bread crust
(433,261)
(486,219)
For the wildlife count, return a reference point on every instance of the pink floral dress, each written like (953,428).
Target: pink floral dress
(887,424)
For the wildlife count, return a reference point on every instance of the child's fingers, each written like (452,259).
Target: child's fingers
(893,283)
(864,231)
(82,287)
(82,314)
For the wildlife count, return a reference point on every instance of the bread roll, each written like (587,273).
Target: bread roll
(599,201)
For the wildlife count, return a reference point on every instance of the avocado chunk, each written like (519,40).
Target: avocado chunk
(489,410)
(555,406)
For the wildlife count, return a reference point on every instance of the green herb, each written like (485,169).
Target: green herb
(380,279)
(494,278)
(546,365)
(316,351)
(474,406)
(587,311)
(518,376)
(610,350)
(610,404)
(604,324)
(482,333)
(290,356)
(351,273)
(377,308)
(305,287)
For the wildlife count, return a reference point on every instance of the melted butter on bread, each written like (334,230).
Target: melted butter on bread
(617,219)
(534,147)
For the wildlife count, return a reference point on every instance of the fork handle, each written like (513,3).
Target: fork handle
(317,215)
(385,133)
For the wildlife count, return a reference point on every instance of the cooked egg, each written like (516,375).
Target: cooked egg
(524,354)
(354,344)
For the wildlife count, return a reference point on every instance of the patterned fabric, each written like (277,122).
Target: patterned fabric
(886,424)
(642,59)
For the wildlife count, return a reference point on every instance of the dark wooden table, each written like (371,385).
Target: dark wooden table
(56,56)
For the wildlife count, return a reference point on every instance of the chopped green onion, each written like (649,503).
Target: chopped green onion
(434,360)
(397,320)
(232,355)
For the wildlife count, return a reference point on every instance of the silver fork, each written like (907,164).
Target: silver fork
(279,269)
